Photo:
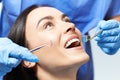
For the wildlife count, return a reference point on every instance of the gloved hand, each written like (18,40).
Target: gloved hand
(11,55)
(109,39)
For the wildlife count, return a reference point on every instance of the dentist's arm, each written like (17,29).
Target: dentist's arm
(11,55)
(109,39)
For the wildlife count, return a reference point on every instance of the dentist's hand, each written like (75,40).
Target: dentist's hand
(11,55)
(109,39)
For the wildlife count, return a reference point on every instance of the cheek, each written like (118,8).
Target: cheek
(52,59)
(41,39)
(47,57)
(52,39)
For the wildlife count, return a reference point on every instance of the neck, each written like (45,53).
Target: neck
(64,74)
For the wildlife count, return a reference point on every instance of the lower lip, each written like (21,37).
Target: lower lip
(77,48)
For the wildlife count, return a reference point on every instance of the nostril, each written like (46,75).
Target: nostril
(69,29)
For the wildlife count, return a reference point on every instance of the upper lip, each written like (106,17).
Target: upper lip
(70,38)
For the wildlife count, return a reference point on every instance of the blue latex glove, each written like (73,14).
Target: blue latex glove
(11,55)
(109,39)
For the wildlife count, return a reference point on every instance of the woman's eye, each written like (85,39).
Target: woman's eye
(48,25)
(67,20)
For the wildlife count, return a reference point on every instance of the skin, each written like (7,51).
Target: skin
(49,25)
(116,18)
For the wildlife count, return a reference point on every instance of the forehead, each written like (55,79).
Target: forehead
(45,11)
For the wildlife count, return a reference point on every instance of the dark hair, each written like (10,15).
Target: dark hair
(17,35)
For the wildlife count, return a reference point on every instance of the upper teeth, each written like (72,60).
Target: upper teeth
(71,41)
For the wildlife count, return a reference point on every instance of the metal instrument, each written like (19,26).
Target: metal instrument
(86,38)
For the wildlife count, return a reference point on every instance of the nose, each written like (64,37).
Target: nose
(69,27)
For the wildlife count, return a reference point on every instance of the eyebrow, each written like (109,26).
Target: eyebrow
(63,16)
(50,18)
(46,17)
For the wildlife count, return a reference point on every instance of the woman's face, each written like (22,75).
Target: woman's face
(49,25)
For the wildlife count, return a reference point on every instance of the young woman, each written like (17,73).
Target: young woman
(63,54)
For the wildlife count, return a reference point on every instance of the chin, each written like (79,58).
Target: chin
(80,59)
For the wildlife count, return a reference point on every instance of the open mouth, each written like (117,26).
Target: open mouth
(73,43)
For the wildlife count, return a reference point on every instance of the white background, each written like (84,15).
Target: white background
(106,67)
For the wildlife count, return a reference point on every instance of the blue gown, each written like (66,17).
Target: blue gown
(84,13)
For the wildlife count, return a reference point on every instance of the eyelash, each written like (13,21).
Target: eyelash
(48,24)
(67,20)
(51,24)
